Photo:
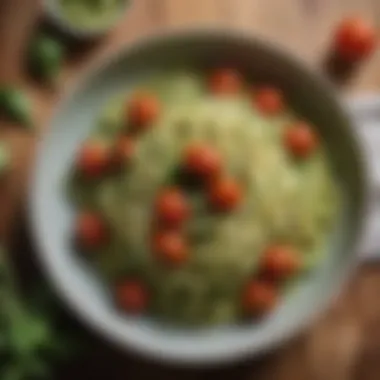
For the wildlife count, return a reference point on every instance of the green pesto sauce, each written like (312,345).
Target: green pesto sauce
(284,201)
(92,14)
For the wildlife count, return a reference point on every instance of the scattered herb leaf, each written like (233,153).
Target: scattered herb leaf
(30,342)
(15,105)
(46,57)
(4,158)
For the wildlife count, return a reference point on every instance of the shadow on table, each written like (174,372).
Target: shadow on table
(100,360)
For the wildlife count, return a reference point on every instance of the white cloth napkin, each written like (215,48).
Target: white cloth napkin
(365,112)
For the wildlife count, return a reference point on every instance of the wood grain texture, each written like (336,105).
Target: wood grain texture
(345,343)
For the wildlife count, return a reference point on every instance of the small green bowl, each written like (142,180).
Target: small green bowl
(56,15)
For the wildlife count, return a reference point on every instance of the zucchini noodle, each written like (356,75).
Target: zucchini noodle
(285,200)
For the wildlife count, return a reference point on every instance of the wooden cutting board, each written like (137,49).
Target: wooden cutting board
(345,343)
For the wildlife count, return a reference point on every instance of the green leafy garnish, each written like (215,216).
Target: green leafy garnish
(30,341)
(4,158)
(46,56)
(15,105)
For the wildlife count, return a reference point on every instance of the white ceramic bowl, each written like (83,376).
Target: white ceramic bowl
(52,216)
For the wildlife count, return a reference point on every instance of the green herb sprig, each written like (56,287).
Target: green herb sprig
(15,105)
(29,342)
(45,58)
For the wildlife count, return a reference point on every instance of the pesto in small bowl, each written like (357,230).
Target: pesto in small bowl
(92,14)
(85,18)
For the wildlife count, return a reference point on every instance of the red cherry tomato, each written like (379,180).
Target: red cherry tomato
(123,151)
(143,110)
(91,230)
(172,207)
(170,247)
(280,261)
(132,296)
(94,159)
(300,139)
(355,39)
(225,81)
(259,297)
(224,194)
(269,100)
(203,161)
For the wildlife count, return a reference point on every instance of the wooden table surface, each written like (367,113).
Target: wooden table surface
(345,343)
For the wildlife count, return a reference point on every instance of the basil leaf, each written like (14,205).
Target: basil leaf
(46,57)
(4,158)
(15,105)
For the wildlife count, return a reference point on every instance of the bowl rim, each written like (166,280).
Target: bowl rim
(176,34)
(54,14)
